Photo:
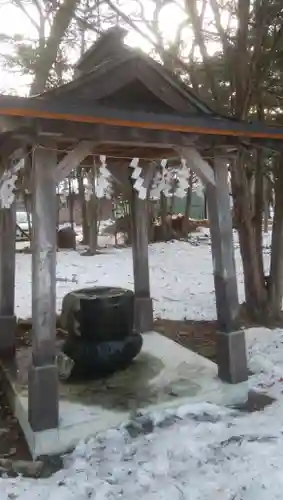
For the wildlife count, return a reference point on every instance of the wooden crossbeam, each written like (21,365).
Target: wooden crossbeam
(10,123)
(73,159)
(201,167)
(120,173)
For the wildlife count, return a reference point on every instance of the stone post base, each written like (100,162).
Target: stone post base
(7,336)
(43,397)
(232,357)
(143,314)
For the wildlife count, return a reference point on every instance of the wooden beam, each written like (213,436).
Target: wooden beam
(108,134)
(43,380)
(120,173)
(164,88)
(7,280)
(232,362)
(76,111)
(10,123)
(73,159)
(11,149)
(201,167)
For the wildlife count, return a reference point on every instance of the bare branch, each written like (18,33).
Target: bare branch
(197,28)
(218,25)
(20,5)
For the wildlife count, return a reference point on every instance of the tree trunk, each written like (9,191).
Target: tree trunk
(185,228)
(258,208)
(151,217)
(163,216)
(85,226)
(62,19)
(172,208)
(265,205)
(205,205)
(71,204)
(276,264)
(255,289)
(27,208)
(255,286)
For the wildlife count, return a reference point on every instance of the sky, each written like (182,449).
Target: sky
(13,21)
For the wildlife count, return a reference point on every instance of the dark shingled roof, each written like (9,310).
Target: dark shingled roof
(109,65)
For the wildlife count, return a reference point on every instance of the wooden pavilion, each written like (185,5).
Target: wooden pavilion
(121,104)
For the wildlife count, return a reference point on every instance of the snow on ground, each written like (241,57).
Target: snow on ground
(201,452)
(198,452)
(180,275)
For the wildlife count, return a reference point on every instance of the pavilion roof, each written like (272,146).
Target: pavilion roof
(114,75)
(117,86)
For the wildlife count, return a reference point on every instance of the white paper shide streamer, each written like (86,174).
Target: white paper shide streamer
(138,178)
(182,175)
(170,180)
(8,184)
(160,181)
(103,186)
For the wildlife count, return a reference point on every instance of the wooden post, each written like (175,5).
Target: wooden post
(43,380)
(93,213)
(232,362)
(83,205)
(143,301)
(7,280)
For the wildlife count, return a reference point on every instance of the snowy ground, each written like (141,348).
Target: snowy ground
(204,452)
(201,452)
(180,274)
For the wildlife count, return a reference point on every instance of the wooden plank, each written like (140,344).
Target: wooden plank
(10,123)
(201,167)
(43,383)
(73,159)
(232,363)
(108,134)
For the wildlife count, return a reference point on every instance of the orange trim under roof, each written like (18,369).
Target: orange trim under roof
(33,113)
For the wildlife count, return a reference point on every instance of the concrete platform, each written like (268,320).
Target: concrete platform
(165,374)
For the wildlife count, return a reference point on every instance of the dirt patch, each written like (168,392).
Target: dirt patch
(199,336)
(24,333)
